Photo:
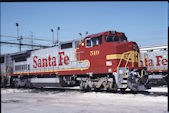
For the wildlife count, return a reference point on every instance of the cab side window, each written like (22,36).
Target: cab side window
(100,39)
(90,42)
(95,41)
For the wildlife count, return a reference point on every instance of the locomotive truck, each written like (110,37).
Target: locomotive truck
(101,61)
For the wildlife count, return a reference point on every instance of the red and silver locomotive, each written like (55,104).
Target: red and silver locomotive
(105,60)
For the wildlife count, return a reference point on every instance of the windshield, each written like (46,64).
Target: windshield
(115,38)
(123,39)
(112,38)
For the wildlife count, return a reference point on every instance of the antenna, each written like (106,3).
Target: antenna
(80,35)
(86,33)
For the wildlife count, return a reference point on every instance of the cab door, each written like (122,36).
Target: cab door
(94,51)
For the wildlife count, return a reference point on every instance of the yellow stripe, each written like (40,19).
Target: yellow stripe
(81,60)
(139,63)
(52,70)
(121,87)
(113,56)
(123,82)
(126,55)
(125,76)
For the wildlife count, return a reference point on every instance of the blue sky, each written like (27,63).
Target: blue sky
(143,22)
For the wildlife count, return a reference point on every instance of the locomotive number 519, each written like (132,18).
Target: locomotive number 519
(94,53)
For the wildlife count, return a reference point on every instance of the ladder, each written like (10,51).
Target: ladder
(122,73)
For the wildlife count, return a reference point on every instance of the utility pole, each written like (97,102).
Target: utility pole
(58,35)
(17,25)
(19,38)
(20,43)
(32,39)
(53,36)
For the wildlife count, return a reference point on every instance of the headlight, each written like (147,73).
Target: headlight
(121,72)
(108,63)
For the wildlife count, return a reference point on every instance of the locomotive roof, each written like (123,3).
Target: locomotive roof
(23,53)
(154,47)
(98,34)
(71,40)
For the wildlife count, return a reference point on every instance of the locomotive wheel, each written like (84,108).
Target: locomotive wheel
(87,89)
(97,89)
(84,88)
(112,90)
(123,90)
(134,92)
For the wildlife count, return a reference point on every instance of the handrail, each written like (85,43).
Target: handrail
(120,60)
(128,60)
(118,67)
(125,64)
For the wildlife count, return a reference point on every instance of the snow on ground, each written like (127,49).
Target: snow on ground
(36,101)
(158,89)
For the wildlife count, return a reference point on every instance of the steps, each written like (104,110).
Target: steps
(121,77)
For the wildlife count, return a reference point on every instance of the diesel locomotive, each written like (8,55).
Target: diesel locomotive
(101,61)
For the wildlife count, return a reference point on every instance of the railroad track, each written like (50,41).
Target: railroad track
(67,89)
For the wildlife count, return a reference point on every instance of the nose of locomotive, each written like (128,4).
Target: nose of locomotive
(133,46)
